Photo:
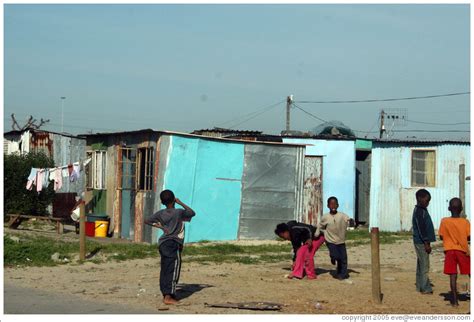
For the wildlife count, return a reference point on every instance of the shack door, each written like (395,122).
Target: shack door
(313,190)
(363,161)
(128,186)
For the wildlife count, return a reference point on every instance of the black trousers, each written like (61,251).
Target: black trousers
(170,252)
(339,254)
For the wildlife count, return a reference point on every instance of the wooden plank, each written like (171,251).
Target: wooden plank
(256,306)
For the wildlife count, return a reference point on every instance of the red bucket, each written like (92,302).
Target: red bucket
(90,229)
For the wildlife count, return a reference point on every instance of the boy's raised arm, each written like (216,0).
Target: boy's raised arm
(188,212)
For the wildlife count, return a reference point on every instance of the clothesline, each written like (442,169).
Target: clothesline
(40,177)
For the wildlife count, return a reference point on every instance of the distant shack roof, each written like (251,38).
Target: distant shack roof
(151,131)
(422,141)
(19,132)
(220,130)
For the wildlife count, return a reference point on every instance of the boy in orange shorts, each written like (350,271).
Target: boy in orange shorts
(455,233)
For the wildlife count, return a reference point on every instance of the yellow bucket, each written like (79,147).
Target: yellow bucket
(101,228)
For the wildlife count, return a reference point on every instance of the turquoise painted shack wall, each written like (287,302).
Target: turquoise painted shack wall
(206,175)
(338,170)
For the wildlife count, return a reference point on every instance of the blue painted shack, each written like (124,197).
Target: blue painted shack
(401,167)
(338,168)
(239,189)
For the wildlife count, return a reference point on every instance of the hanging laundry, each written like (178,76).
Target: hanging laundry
(64,172)
(52,174)
(31,179)
(58,179)
(75,173)
(46,178)
(39,180)
(77,170)
(70,169)
(58,182)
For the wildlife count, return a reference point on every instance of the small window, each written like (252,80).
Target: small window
(96,170)
(423,168)
(128,165)
(145,169)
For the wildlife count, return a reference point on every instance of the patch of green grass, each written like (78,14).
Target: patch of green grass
(36,251)
(121,252)
(361,237)
(226,249)
(238,258)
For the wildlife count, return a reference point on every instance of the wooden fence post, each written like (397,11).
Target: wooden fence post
(376,287)
(82,232)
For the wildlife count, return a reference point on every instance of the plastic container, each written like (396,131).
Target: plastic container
(90,229)
(96,217)
(101,228)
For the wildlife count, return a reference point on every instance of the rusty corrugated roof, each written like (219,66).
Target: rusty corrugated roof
(15,132)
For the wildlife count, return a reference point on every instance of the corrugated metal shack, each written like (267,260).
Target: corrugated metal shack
(400,168)
(240,189)
(336,167)
(63,148)
(219,132)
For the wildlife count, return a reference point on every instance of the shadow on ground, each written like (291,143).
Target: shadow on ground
(186,290)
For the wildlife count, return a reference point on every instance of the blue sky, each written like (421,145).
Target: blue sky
(187,67)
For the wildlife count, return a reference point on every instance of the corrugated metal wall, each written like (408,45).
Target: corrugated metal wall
(68,150)
(271,189)
(338,169)
(393,197)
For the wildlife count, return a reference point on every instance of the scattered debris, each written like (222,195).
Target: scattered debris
(15,239)
(163,308)
(114,289)
(55,257)
(349,281)
(390,279)
(258,306)
(318,306)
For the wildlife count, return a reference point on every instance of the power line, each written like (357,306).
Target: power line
(439,131)
(385,99)
(370,131)
(431,123)
(251,113)
(310,114)
(266,109)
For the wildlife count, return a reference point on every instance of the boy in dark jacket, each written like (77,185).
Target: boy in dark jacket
(423,235)
(305,244)
(170,244)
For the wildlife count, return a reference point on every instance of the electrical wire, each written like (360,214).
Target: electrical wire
(384,99)
(439,131)
(251,114)
(310,114)
(266,109)
(432,123)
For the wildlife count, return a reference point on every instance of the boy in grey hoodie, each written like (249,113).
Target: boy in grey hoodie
(170,244)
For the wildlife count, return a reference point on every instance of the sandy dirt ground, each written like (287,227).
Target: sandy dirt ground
(136,283)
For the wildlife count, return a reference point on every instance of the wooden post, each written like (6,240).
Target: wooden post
(82,232)
(462,186)
(376,287)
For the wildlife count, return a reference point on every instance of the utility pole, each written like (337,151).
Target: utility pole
(62,113)
(382,125)
(289,101)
